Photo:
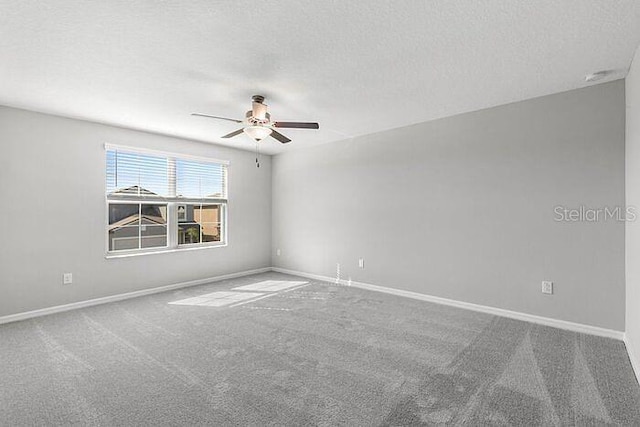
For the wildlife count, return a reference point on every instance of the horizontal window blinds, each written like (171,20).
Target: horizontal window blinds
(203,180)
(160,176)
(137,174)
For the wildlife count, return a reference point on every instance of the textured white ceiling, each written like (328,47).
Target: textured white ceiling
(356,67)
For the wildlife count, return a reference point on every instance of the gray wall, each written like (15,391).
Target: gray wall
(463,207)
(633,199)
(53,214)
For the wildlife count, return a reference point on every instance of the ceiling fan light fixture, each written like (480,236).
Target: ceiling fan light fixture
(258,132)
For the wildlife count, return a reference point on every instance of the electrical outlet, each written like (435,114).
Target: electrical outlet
(278,252)
(361,263)
(67,278)
(547,287)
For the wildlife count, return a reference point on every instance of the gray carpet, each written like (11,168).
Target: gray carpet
(315,354)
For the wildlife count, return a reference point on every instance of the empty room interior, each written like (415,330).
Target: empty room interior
(319,213)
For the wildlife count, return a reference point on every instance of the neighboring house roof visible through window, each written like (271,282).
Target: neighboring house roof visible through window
(134,189)
(153,220)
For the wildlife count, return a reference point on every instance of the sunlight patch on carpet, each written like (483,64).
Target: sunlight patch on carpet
(217,299)
(270,286)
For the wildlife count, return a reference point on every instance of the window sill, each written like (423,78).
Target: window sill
(112,255)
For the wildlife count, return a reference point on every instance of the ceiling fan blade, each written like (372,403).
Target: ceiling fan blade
(234,133)
(298,125)
(216,117)
(280,137)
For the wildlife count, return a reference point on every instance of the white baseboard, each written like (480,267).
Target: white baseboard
(633,356)
(562,324)
(547,321)
(119,297)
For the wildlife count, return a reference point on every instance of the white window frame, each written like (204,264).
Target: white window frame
(172,207)
(222,214)
(139,250)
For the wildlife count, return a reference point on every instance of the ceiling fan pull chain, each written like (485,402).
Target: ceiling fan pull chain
(257,154)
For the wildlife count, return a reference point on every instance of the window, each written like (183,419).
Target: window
(137,226)
(201,224)
(182,213)
(159,201)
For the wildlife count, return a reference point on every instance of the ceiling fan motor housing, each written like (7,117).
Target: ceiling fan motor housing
(255,121)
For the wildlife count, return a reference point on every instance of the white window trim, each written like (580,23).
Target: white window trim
(154,251)
(172,209)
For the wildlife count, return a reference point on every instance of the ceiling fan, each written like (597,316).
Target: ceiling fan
(258,124)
